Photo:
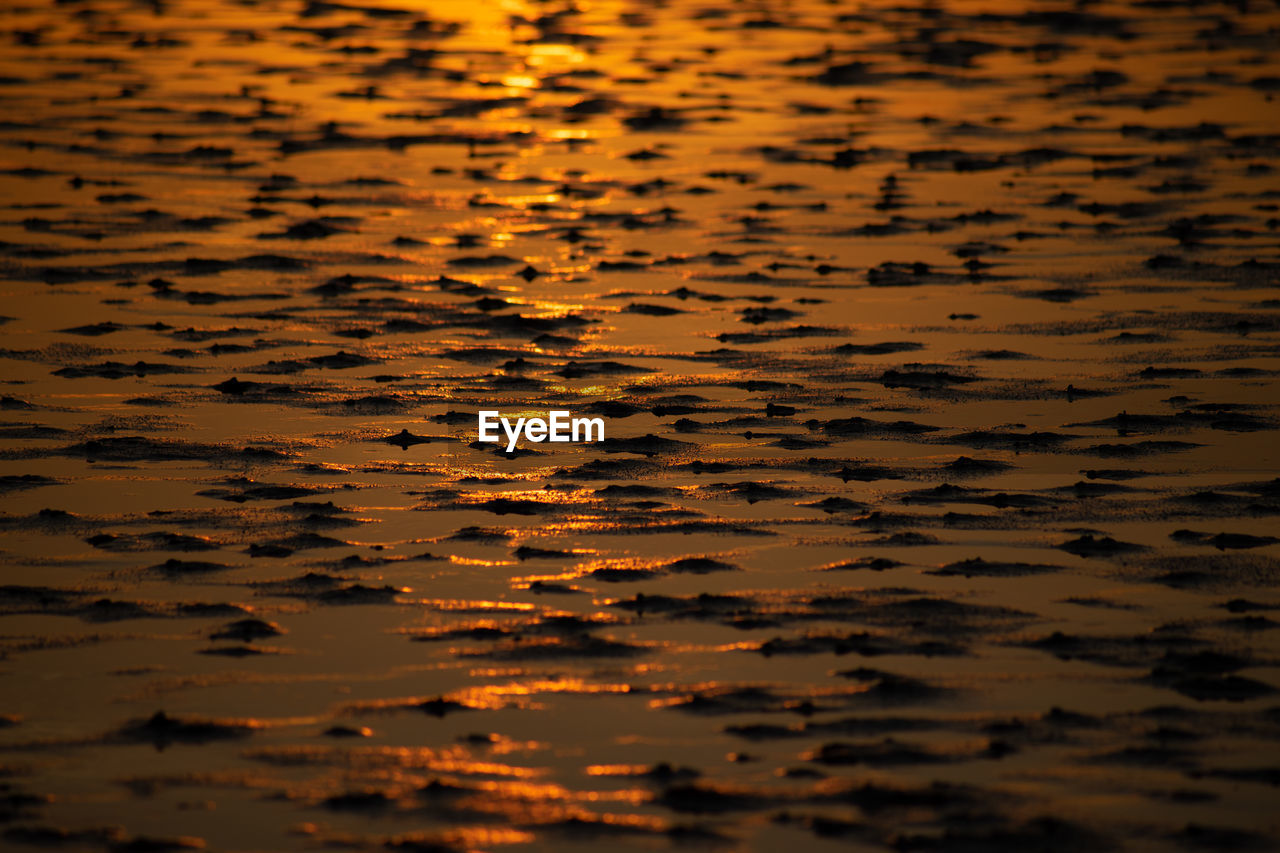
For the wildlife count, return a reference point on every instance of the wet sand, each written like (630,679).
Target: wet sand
(937,347)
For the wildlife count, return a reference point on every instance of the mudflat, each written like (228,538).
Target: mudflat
(938,501)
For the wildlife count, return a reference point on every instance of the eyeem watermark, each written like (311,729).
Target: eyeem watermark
(558,426)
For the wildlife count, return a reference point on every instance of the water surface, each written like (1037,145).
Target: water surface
(937,346)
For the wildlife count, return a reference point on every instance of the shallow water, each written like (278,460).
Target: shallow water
(937,347)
